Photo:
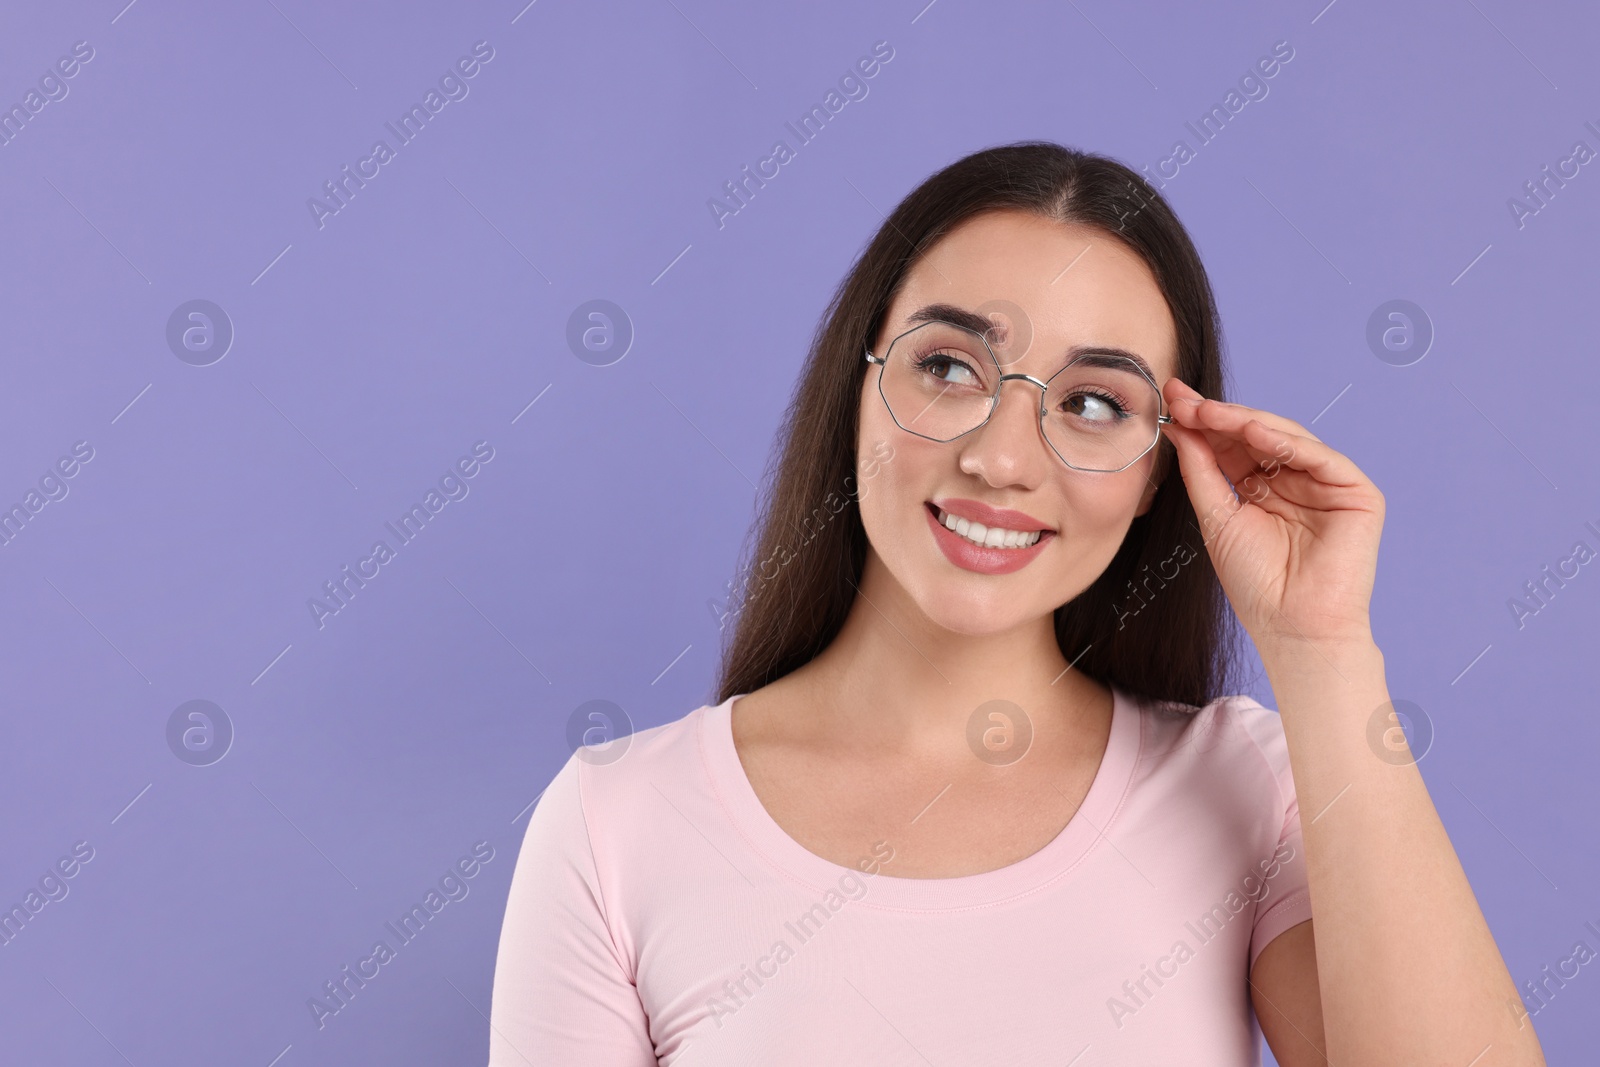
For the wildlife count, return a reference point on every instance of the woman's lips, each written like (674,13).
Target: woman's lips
(988,514)
(968,556)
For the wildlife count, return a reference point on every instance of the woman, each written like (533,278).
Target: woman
(975,791)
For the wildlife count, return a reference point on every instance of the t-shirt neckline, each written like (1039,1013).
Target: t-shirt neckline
(1058,858)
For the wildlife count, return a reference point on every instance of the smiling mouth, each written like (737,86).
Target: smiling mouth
(986,536)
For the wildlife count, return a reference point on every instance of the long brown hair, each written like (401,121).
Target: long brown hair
(1156,634)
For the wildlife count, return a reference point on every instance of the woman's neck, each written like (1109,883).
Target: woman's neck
(895,680)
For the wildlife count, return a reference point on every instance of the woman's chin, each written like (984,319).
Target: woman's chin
(980,615)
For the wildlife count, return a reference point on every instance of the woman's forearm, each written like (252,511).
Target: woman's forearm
(1408,969)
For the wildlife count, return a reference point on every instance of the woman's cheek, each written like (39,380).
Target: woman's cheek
(870,498)
(884,507)
(890,487)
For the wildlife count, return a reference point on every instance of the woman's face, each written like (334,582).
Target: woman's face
(1048,287)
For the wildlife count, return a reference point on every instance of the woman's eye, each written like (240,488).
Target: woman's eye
(1092,406)
(951,370)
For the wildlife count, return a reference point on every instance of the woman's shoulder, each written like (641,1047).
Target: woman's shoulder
(1225,737)
(608,771)
(602,749)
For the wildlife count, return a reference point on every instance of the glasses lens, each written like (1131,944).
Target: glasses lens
(938,380)
(1101,413)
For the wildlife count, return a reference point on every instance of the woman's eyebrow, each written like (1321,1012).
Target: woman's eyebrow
(959,316)
(955,316)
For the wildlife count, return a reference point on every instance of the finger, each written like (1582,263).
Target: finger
(1288,491)
(1210,492)
(1225,423)
(1303,453)
(1183,398)
(1255,452)
(1273,486)
(1232,452)
(1226,414)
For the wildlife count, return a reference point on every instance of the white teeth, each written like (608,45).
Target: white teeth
(980,534)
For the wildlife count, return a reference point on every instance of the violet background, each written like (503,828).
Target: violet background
(432,312)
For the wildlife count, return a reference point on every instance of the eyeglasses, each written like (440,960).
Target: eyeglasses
(1101,412)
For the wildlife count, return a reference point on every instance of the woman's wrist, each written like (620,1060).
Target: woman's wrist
(1353,658)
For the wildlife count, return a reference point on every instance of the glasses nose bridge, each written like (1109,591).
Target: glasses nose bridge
(994,402)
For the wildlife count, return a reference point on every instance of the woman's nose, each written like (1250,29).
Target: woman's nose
(1027,402)
(1020,428)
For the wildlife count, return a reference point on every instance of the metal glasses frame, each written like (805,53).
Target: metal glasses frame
(994,399)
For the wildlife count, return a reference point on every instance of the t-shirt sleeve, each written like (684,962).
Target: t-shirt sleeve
(1288,899)
(563,991)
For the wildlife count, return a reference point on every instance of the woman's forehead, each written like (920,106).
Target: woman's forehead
(1041,283)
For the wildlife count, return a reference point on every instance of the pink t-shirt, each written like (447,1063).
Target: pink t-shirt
(658,914)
